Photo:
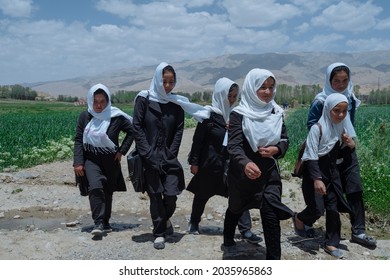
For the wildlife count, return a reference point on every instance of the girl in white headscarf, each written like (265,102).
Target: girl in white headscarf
(338,80)
(208,157)
(158,129)
(257,138)
(97,153)
(321,183)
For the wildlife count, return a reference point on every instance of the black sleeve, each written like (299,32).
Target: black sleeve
(175,146)
(315,113)
(78,150)
(198,142)
(283,144)
(236,140)
(127,128)
(314,169)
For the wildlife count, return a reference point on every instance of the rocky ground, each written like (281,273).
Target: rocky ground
(43,217)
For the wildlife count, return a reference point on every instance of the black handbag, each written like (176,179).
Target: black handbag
(136,171)
(82,183)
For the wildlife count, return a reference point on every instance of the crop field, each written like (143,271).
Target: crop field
(33,133)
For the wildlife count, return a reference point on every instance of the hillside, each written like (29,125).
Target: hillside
(369,70)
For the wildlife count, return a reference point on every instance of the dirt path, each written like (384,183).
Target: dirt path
(42,216)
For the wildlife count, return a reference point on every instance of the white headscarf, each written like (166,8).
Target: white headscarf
(220,102)
(260,125)
(157,93)
(348,93)
(95,137)
(331,132)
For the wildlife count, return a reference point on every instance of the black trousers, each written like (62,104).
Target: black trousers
(357,216)
(199,204)
(100,201)
(271,228)
(162,208)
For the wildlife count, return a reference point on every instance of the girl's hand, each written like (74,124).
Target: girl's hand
(319,187)
(79,170)
(118,157)
(194,169)
(268,151)
(348,140)
(252,171)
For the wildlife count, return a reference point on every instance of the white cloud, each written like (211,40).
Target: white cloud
(319,43)
(16,8)
(353,17)
(259,13)
(121,8)
(303,28)
(313,5)
(383,24)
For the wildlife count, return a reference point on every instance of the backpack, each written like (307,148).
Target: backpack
(298,167)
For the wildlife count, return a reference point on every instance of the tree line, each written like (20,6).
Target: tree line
(286,95)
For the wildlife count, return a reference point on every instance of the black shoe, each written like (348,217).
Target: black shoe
(107,228)
(97,230)
(364,240)
(193,228)
(310,233)
(251,237)
(169,230)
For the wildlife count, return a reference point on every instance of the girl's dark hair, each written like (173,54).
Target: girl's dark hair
(233,87)
(101,91)
(339,69)
(169,68)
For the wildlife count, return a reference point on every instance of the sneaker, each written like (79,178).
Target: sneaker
(97,230)
(159,243)
(364,240)
(107,228)
(193,228)
(251,237)
(169,230)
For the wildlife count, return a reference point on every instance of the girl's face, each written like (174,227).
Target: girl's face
(168,81)
(340,81)
(99,102)
(266,92)
(232,96)
(339,112)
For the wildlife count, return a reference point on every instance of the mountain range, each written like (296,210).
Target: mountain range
(370,70)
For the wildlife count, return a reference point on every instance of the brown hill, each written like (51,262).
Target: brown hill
(370,70)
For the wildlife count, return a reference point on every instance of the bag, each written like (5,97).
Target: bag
(82,183)
(299,166)
(136,171)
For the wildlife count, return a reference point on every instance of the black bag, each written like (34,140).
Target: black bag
(298,167)
(82,183)
(136,171)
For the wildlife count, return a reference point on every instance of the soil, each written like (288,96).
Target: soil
(43,217)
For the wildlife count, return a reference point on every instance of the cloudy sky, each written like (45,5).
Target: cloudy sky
(44,40)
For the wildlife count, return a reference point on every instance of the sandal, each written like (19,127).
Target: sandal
(364,240)
(334,253)
(299,232)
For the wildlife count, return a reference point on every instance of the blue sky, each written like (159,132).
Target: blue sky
(44,40)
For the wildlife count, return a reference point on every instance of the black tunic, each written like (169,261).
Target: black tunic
(100,168)
(158,131)
(245,193)
(210,155)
